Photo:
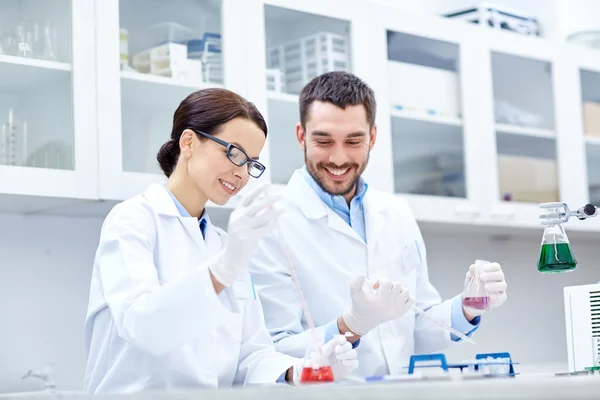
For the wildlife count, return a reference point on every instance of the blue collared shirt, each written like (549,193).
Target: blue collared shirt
(202,222)
(355,217)
(353,214)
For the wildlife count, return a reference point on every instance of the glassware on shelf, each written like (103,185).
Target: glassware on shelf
(24,40)
(50,42)
(31,39)
(9,43)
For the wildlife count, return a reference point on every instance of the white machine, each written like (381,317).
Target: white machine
(582,319)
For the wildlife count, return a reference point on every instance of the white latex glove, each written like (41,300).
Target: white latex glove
(255,216)
(492,277)
(337,353)
(371,307)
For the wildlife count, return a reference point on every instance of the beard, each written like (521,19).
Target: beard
(318,173)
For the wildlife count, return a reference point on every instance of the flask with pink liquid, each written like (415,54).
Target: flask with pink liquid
(474,295)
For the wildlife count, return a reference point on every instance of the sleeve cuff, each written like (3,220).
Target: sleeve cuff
(460,322)
(331,329)
(281,378)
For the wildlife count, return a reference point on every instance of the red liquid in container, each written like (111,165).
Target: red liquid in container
(478,303)
(313,375)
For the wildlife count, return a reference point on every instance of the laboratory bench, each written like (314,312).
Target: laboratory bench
(520,387)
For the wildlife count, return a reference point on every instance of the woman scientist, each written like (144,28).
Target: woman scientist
(172,305)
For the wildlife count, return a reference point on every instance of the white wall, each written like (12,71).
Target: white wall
(46,264)
(45,268)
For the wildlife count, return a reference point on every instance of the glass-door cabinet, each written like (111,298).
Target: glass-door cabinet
(47,112)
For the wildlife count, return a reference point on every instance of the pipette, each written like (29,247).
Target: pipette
(435,321)
(443,325)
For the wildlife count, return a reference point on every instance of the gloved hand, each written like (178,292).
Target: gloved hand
(371,307)
(337,353)
(255,216)
(492,277)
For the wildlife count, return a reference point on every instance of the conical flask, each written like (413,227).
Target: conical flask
(474,295)
(315,367)
(555,254)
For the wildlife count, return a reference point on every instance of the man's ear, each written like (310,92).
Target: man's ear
(301,136)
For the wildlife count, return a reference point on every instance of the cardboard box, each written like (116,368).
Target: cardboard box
(591,119)
(528,179)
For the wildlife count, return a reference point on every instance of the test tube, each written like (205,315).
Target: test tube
(24,144)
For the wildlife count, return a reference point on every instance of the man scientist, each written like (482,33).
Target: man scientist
(358,252)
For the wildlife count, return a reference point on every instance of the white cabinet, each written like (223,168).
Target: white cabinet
(48,154)
(475,126)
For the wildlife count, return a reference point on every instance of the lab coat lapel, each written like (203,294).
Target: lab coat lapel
(337,223)
(374,218)
(164,205)
(213,240)
(299,192)
(192,227)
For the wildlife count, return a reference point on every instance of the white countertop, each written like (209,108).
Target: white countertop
(520,387)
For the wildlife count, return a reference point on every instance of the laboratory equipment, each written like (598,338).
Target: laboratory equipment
(443,325)
(474,295)
(10,140)
(498,16)
(24,144)
(50,41)
(582,307)
(555,253)
(46,375)
(24,40)
(447,327)
(558,213)
(484,365)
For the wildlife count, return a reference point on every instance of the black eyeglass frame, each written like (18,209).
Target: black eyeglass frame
(229,147)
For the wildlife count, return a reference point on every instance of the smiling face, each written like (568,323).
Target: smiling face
(214,175)
(336,144)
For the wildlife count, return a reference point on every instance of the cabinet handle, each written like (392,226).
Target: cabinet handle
(503,215)
(467,211)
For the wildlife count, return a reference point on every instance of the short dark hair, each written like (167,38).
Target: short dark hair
(206,110)
(341,89)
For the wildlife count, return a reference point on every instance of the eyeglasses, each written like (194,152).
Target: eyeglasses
(237,156)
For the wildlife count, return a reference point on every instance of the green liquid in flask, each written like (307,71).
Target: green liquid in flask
(556,258)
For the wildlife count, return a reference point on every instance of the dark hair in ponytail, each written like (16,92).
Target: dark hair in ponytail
(205,110)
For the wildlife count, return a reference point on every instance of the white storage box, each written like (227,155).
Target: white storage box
(302,60)
(419,88)
(167,60)
(499,17)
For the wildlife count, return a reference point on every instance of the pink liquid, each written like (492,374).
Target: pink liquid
(313,375)
(478,303)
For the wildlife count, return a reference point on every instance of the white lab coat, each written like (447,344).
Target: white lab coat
(328,255)
(154,320)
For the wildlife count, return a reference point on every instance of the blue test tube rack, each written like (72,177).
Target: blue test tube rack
(441,358)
